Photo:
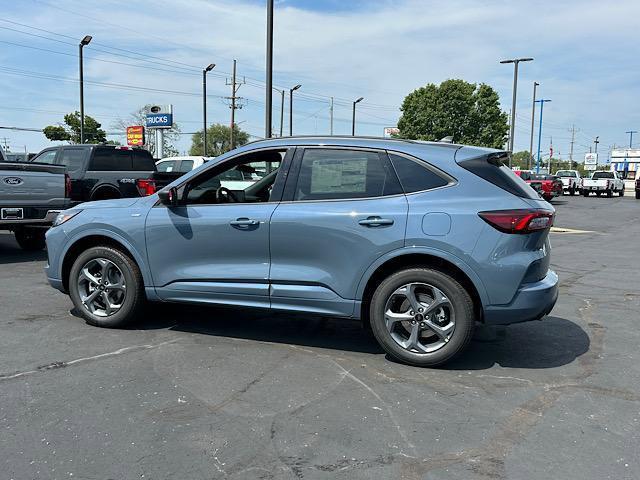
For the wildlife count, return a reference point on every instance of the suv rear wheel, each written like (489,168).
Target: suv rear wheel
(422,316)
(106,287)
(31,239)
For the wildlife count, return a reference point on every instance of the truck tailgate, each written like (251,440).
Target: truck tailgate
(29,184)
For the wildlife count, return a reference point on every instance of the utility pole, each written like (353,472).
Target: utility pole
(281,111)
(269,82)
(596,142)
(573,140)
(631,132)
(533,115)
(331,117)
(235,102)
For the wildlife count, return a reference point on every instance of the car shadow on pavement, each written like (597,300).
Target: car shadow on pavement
(10,254)
(550,343)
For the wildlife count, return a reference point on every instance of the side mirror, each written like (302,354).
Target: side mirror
(169,197)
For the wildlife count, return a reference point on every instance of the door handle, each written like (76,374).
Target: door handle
(375,222)
(243,222)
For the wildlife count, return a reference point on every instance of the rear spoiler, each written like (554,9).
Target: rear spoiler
(32,167)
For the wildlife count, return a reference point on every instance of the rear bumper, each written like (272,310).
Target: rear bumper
(531,302)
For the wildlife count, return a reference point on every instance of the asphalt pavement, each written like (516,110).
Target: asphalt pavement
(202,393)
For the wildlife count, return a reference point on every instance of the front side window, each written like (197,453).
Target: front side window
(72,158)
(414,175)
(327,174)
(248,179)
(48,157)
(186,166)
(167,166)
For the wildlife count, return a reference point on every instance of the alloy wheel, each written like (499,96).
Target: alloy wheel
(419,317)
(102,287)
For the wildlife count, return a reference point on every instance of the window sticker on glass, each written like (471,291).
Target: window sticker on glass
(330,176)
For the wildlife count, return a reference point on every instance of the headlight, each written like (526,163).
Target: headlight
(65,217)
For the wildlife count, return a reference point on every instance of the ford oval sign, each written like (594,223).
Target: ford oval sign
(13,181)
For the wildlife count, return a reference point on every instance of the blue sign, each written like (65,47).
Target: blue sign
(159,120)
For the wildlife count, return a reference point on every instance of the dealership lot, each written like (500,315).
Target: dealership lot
(216,393)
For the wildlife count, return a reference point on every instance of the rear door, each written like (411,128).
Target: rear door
(343,209)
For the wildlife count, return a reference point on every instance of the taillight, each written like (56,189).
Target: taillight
(146,186)
(518,221)
(67,186)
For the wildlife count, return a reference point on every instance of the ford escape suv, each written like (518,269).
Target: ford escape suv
(420,240)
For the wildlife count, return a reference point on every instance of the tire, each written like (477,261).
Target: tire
(572,191)
(131,298)
(621,192)
(456,317)
(598,193)
(31,239)
(585,193)
(637,195)
(609,193)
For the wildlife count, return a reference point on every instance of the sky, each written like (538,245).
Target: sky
(153,52)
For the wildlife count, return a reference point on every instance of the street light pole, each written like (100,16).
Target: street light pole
(204,107)
(542,101)
(353,120)
(516,62)
(269,92)
(291,90)
(281,111)
(533,114)
(85,41)
(596,142)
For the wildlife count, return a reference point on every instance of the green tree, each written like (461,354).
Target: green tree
(522,159)
(70,130)
(218,140)
(139,117)
(465,111)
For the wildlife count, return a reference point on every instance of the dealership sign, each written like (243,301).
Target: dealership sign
(135,136)
(591,159)
(160,116)
(391,131)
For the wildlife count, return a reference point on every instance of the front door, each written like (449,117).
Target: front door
(214,246)
(345,211)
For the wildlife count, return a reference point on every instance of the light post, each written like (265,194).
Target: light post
(291,90)
(269,82)
(353,119)
(204,107)
(533,115)
(542,101)
(596,142)
(85,41)
(515,62)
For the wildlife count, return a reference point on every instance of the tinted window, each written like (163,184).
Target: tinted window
(46,157)
(142,161)
(167,166)
(72,159)
(110,159)
(414,175)
(186,166)
(333,174)
(602,175)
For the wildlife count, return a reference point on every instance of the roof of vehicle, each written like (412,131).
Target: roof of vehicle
(188,157)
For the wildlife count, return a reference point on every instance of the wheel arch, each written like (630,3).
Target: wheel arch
(403,259)
(105,191)
(93,239)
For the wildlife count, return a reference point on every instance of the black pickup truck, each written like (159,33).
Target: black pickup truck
(102,172)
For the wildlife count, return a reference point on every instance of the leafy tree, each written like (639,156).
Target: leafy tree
(469,113)
(218,140)
(70,131)
(139,117)
(522,159)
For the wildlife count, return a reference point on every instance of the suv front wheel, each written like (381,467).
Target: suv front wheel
(106,287)
(422,316)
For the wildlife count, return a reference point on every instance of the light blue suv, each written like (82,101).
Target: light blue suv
(420,240)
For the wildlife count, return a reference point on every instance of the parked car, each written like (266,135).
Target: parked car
(603,182)
(420,240)
(550,186)
(31,197)
(181,164)
(527,176)
(571,181)
(103,172)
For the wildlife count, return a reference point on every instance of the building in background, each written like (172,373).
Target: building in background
(626,161)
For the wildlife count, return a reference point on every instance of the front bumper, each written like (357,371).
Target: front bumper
(46,221)
(531,302)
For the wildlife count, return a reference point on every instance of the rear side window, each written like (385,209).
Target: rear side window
(167,166)
(142,160)
(186,166)
(72,158)
(328,174)
(110,160)
(48,157)
(491,168)
(415,176)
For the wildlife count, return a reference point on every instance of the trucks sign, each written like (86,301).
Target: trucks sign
(160,116)
(135,136)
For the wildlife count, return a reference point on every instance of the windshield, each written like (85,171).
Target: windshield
(598,175)
(565,173)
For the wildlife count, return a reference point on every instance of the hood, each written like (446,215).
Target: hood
(115,203)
